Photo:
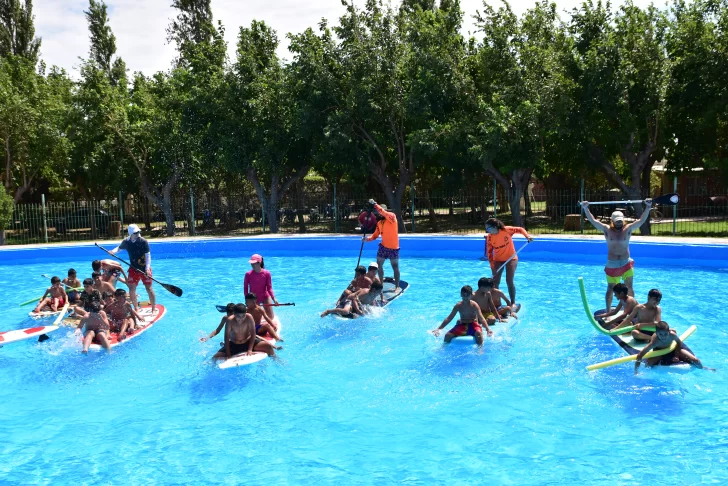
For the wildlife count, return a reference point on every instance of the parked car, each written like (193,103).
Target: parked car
(81,219)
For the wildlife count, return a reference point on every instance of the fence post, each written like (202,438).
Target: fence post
(192,213)
(121,211)
(412,195)
(674,208)
(581,210)
(336,211)
(495,198)
(45,221)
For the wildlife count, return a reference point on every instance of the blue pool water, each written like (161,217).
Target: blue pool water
(372,400)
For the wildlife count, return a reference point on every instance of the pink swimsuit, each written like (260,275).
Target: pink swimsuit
(259,284)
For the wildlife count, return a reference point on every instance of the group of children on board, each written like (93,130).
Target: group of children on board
(250,327)
(361,294)
(101,306)
(643,318)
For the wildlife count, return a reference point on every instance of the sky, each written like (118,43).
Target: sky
(140,25)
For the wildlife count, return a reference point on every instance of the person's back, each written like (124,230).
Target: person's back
(368,296)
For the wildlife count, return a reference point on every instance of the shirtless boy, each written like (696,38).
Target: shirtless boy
(489,298)
(645,315)
(101,285)
(619,264)
(240,337)
(109,270)
(97,326)
(71,282)
(626,305)
(352,303)
(87,296)
(228,312)
(122,315)
(258,313)
(663,338)
(470,319)
(372,274)
(56,299)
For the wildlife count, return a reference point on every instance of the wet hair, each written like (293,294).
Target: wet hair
(106,295)
(485,282)
(621,288)
(468,289)
(230,308)
(88,281)
(655,293)
(71,271)
(360,270)
(662,326)
(55,280)
(96,265)
(240,309)
(262,262)
(495,222)
(376,286)
(251,296)
(95,274)
(120,292)
(92,306)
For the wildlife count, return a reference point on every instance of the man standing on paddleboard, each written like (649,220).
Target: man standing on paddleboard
(141,265)
(620,267)
(389,247)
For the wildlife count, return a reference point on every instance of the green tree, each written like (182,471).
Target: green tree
(7,206)
(17,30)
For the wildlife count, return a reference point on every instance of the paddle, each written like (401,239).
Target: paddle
(171,288)
(364,229)
(65,285)
(665,200)
(511,258)
(38,298)
(221,308)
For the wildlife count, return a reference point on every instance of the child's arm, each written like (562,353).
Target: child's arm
(447,320)
(266,317)
(227,338)
(612,312)
(628,320)
(216,331)
(251,330)
(504,297)
(493,309)
(482,320)
(644,351)
(658,314)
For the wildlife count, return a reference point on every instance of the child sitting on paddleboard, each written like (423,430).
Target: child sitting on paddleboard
(97,326)
(645,315)
(56,299)
(73,283)
(360,281)
(470,320)
(228,312)
(489,300)
(353,303)
(626,305)
(661,339)
(110,271)
(259,313)
(240,337)
(87,296)
(122,315)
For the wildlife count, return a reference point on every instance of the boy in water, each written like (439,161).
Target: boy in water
(645,315)
(488,299)
(88,295)
(258,313)
(663,338)
(109,270)
(57,297)
(97,326)
(240,336)
(73,283)
(229,309)
(470,319)
(626,304)
(100,285)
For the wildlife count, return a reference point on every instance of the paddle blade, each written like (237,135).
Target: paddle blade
(667,200)
(221,308)
(171,288)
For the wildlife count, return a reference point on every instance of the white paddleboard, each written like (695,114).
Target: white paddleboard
(8,337)
(243,359)
(148,320)
(498,328)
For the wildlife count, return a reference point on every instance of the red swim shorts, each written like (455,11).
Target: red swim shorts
(135,276)
(469,329)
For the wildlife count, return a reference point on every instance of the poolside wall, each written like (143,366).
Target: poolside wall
(574,250)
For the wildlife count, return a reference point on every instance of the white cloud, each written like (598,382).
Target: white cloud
(140,25)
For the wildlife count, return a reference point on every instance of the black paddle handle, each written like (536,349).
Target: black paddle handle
(358,261)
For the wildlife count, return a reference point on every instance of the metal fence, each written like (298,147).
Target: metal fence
(543,212)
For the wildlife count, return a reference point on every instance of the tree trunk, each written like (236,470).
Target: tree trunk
(513,186)
(2,237)
(277,190)
(300,203)
(515,194)
(431,212)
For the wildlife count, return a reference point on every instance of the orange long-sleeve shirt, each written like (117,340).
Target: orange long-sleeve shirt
(388,228)
(499,246)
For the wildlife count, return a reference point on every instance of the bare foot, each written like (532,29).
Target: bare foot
(277,348)
(84,351)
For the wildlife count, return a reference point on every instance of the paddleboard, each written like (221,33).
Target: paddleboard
(8,337)
(44,314)
(244,359)
(388,294)
(498,328)
(148,320)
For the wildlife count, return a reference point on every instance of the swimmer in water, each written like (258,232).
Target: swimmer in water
(663,338)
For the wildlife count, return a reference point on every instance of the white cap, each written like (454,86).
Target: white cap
(134,229)
(374,264)
(617,216)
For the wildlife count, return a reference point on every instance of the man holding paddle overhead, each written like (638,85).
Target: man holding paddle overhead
(141,265)
(389,247)
(619,267)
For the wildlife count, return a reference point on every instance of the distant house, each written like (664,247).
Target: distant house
(696,187)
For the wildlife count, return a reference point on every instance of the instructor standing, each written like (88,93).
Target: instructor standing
(620,267)
(389,247)
(141,265)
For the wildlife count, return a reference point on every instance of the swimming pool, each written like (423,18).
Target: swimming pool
(371,400)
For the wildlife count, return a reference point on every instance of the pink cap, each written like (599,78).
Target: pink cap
(256,259)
